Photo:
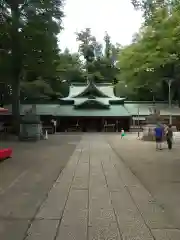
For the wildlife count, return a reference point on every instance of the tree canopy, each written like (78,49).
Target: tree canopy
(153,58)
(99,63)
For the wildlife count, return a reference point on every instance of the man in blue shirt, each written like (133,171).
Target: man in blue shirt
(159,136)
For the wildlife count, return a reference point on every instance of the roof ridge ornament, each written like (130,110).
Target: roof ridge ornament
(90,81)
(90,87)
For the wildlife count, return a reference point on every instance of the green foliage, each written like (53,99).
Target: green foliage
(87,44)
(70,67)
(28,45)
(28,41)
(154,54)
(99,64)
(150,7)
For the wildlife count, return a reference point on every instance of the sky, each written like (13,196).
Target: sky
(117,17)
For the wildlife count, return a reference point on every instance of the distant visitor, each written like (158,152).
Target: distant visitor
(122,133)
(169,137)
(159,132)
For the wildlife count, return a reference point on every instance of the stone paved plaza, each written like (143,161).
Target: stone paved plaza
(98,197)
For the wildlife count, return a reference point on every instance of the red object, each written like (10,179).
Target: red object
(5,153)
(3,110)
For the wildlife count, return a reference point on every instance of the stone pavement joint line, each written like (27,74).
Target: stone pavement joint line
(52,209)
(96,197)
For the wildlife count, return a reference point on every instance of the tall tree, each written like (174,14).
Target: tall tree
(86,44)
(100,64)
(108,46)
(31,23)
(70,67)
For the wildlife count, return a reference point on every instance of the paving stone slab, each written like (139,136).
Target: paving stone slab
(104,232)
(75,219)
(100,207)
(129,219)
(100,212)
(112,178)
(42,230)
(166,234)
(70,167)
(96,182)
(75,232)
(53,207)
(81,179)
(84,156)
(77,206)
(130,222)
(125,174)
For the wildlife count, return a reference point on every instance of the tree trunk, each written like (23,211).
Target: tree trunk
(16,105)
(178,93)
(16,66)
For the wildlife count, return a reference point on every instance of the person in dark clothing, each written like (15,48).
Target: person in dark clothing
(169,137)
(53,124)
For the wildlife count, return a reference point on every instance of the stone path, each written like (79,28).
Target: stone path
(97,197)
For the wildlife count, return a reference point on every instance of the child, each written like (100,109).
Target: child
(122,133)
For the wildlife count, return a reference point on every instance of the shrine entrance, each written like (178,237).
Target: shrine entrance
(92,124)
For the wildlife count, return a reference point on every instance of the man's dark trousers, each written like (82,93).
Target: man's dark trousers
(169,143)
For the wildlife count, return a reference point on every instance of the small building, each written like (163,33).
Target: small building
(94,108)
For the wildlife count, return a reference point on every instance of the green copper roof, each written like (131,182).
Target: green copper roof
(90,89)
(107,89)
(113,111)
(65,110)
(144,109)
(76,90)
(42,109)
(101,90)
(133,109)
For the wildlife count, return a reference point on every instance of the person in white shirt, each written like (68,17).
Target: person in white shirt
(122,133)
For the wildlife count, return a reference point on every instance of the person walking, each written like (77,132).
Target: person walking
(159,136)
(169,137)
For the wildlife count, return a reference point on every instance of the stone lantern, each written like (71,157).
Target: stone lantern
(151,122)
(30,126)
